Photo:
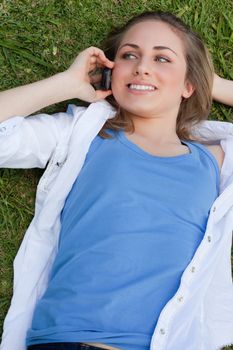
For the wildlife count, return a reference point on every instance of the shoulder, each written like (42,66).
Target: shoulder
(217,152)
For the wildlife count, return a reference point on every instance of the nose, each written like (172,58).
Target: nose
(142,67)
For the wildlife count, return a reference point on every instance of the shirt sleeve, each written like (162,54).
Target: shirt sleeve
(28,142)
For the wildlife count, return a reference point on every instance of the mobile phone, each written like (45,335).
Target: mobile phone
(106,79)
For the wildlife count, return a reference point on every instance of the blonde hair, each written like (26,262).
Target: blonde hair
(199,73)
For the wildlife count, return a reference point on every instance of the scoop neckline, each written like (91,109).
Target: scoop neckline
(123,138)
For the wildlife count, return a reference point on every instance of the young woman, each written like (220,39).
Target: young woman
(130,244)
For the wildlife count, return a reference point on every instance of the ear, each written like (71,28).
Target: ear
(188,89)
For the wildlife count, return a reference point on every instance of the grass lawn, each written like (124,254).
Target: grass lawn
(39,38)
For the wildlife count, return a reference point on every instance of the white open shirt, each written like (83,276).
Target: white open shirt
(200,315)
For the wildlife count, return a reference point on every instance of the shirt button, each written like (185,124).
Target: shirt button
(162,331)
(180,299)
(193,269)
(214,209)
(209,238)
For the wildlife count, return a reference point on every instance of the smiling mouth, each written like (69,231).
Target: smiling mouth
(141,87)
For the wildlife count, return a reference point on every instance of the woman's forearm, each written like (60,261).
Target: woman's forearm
(27,99)
(223,90)
(75,82)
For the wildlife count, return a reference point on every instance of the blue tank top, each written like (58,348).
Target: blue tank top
(130,226)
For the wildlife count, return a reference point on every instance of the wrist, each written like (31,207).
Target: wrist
(217,86)
(222,90)
(69,85)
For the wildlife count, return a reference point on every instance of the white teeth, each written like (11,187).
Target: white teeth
(141,87)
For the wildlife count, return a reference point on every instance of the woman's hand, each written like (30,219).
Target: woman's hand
(75,82)
(223,90)
(79,74)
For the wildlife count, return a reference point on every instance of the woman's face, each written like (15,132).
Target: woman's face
(148,78)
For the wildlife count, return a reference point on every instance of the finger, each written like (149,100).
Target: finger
(95,68)
(100,55)
(93,59)
(101,94)
(104,61)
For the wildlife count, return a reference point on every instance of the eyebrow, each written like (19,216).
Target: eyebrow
(154,48)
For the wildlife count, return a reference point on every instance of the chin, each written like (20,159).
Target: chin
(136,107)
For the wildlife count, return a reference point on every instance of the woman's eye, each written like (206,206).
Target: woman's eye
(128,55)
(162,59)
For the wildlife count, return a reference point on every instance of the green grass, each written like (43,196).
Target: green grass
(39,38)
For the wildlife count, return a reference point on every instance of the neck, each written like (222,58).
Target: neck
(159,130)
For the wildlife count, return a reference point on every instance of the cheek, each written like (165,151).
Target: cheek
(118,75)
(173,78)
(120,70)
